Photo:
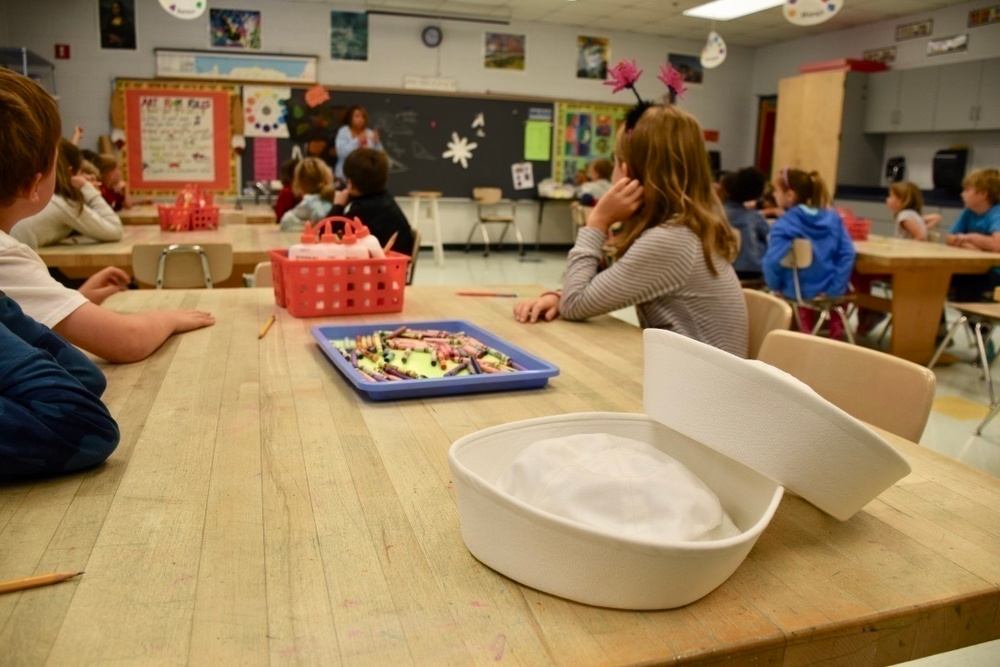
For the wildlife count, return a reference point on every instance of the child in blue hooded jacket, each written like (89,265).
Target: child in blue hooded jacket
(808,215)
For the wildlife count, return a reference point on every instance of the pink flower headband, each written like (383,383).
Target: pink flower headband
(625,75)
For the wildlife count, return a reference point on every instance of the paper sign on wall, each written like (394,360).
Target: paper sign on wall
(523,174)
(714,53)
(265,111)
(538,141)
(811,12)
(265,159)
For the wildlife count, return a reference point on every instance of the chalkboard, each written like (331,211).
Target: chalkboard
(417,129)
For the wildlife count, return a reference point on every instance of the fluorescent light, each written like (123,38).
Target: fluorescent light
(724,10)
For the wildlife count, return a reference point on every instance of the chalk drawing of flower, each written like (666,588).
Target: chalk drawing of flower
(460,150)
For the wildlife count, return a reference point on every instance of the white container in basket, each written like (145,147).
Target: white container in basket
(747,430)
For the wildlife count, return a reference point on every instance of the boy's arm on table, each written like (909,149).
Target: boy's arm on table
(124,338)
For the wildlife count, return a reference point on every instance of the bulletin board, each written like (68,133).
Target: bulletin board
(584,133)
(417,131)
(177,134)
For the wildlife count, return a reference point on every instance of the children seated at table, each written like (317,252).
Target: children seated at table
(113,188)
(598,182)
(53,418)
(313,182)
(735,190)
(366,198)
(76,208)
(808,215)
(25,187)
(287,199)
(977,228)
(675,250)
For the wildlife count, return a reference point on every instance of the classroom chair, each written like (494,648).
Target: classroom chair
(414,255)
(262,275)
(798,258)
(765,313)
(979,317)
(175,265)
(493,210)
(886,391)
(580,215)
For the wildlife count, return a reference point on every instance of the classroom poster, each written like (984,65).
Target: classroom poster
(584,133)
(234,28)
(348,35)
(592,56)
(117,24)
(265,111)
(177,137)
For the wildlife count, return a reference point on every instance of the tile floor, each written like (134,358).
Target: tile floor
(960,403)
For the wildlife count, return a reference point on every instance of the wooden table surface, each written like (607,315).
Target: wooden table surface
(147,214)
(921,273)
(250,246)
(259,511)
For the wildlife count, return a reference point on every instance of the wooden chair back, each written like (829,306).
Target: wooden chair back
(487,196)
(888,392)
(182,266)
(262,275)
(766,313)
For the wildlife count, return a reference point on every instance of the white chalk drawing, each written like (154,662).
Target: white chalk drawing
(459,150)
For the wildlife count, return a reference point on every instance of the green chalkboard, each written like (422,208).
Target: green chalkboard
(417,129)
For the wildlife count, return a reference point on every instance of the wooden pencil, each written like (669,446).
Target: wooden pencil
(35,581)
(390,242)
(264,329)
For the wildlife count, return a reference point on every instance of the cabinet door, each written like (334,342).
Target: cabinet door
(988,116)
(957,96)
(917,90)
(882,103)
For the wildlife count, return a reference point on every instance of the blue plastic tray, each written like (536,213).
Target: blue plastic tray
(537,374)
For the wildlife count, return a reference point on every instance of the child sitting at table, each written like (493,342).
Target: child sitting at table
(977,228)
(77,207)
(287,199)
(735,190)
(808,215)
(598,182)
(53,418)
(113,188)
(675,250)
(25,188)
(366,198)
(313,182)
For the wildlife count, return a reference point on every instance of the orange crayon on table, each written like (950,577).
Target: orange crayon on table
(512,295)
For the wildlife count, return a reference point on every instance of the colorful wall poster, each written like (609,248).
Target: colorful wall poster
(584,133)
(689,67)
(234,29)
(593,54)
(117,24)
(504,51)
(348,35)
(171,64)
(265,112)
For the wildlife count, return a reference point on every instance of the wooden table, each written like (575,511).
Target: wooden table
(146,214)
(258,510)
(250,245)
(921,273)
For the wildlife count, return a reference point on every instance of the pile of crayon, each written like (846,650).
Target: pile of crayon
(417,354)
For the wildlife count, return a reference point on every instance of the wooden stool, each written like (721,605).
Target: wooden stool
(433,216)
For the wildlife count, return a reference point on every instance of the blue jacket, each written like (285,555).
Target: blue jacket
(971,223)
(753,230)
(50,406)
(833,253)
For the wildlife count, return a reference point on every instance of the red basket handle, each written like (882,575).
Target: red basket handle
(326,224)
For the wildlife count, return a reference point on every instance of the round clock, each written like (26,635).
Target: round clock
(431,36)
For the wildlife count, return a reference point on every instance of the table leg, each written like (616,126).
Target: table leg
(438,243)
(918,297)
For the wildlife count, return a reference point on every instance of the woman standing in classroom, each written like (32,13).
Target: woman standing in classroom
(354,134)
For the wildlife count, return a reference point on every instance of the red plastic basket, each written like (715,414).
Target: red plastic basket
(314,287)
(857,228)
(192,211)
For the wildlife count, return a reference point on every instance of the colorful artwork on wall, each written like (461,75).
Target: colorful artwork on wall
(504,51)
(117,24)
(584,133)
(234,29)
(348,36)
(257,68)
(593,54)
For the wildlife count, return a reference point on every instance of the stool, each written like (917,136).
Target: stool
(433,216)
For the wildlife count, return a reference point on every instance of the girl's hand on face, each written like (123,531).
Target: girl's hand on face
(78,181)
(545,307)
(621,201)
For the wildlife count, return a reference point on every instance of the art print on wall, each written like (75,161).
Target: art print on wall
(887,54)
(689,67)
(914,30)
(117,24)
(937,47)
(504,51)
(593,54)
(234,28)
(348,36)
(984,16)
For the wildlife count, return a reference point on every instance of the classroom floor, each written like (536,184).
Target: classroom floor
(961,399)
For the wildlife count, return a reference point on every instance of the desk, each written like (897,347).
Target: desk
(920,274)
(250,245)
(256,214)
(258,510)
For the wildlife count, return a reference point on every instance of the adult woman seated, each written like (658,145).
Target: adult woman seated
(354,134)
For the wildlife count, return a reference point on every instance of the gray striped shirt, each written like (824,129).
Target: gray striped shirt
(663,274)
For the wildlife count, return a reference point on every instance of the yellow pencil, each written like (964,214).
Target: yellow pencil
(36,581)
(267,325)
(390,242)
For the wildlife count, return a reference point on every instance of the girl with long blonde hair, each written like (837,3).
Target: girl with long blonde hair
(674,250)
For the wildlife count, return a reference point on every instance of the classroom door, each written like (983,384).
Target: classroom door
(767,108)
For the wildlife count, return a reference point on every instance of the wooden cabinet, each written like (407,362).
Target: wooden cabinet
(901,100)
(820,125)
(968,96)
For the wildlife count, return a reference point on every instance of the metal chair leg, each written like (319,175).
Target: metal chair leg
(520,239)
(947,338)
(987,375)
(486,239)
(824,315)
(993,413)
(847,325)
(468,240)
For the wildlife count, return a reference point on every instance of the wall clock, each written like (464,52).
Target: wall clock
(431,36)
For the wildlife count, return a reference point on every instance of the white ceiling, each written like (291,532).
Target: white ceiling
(659,17)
